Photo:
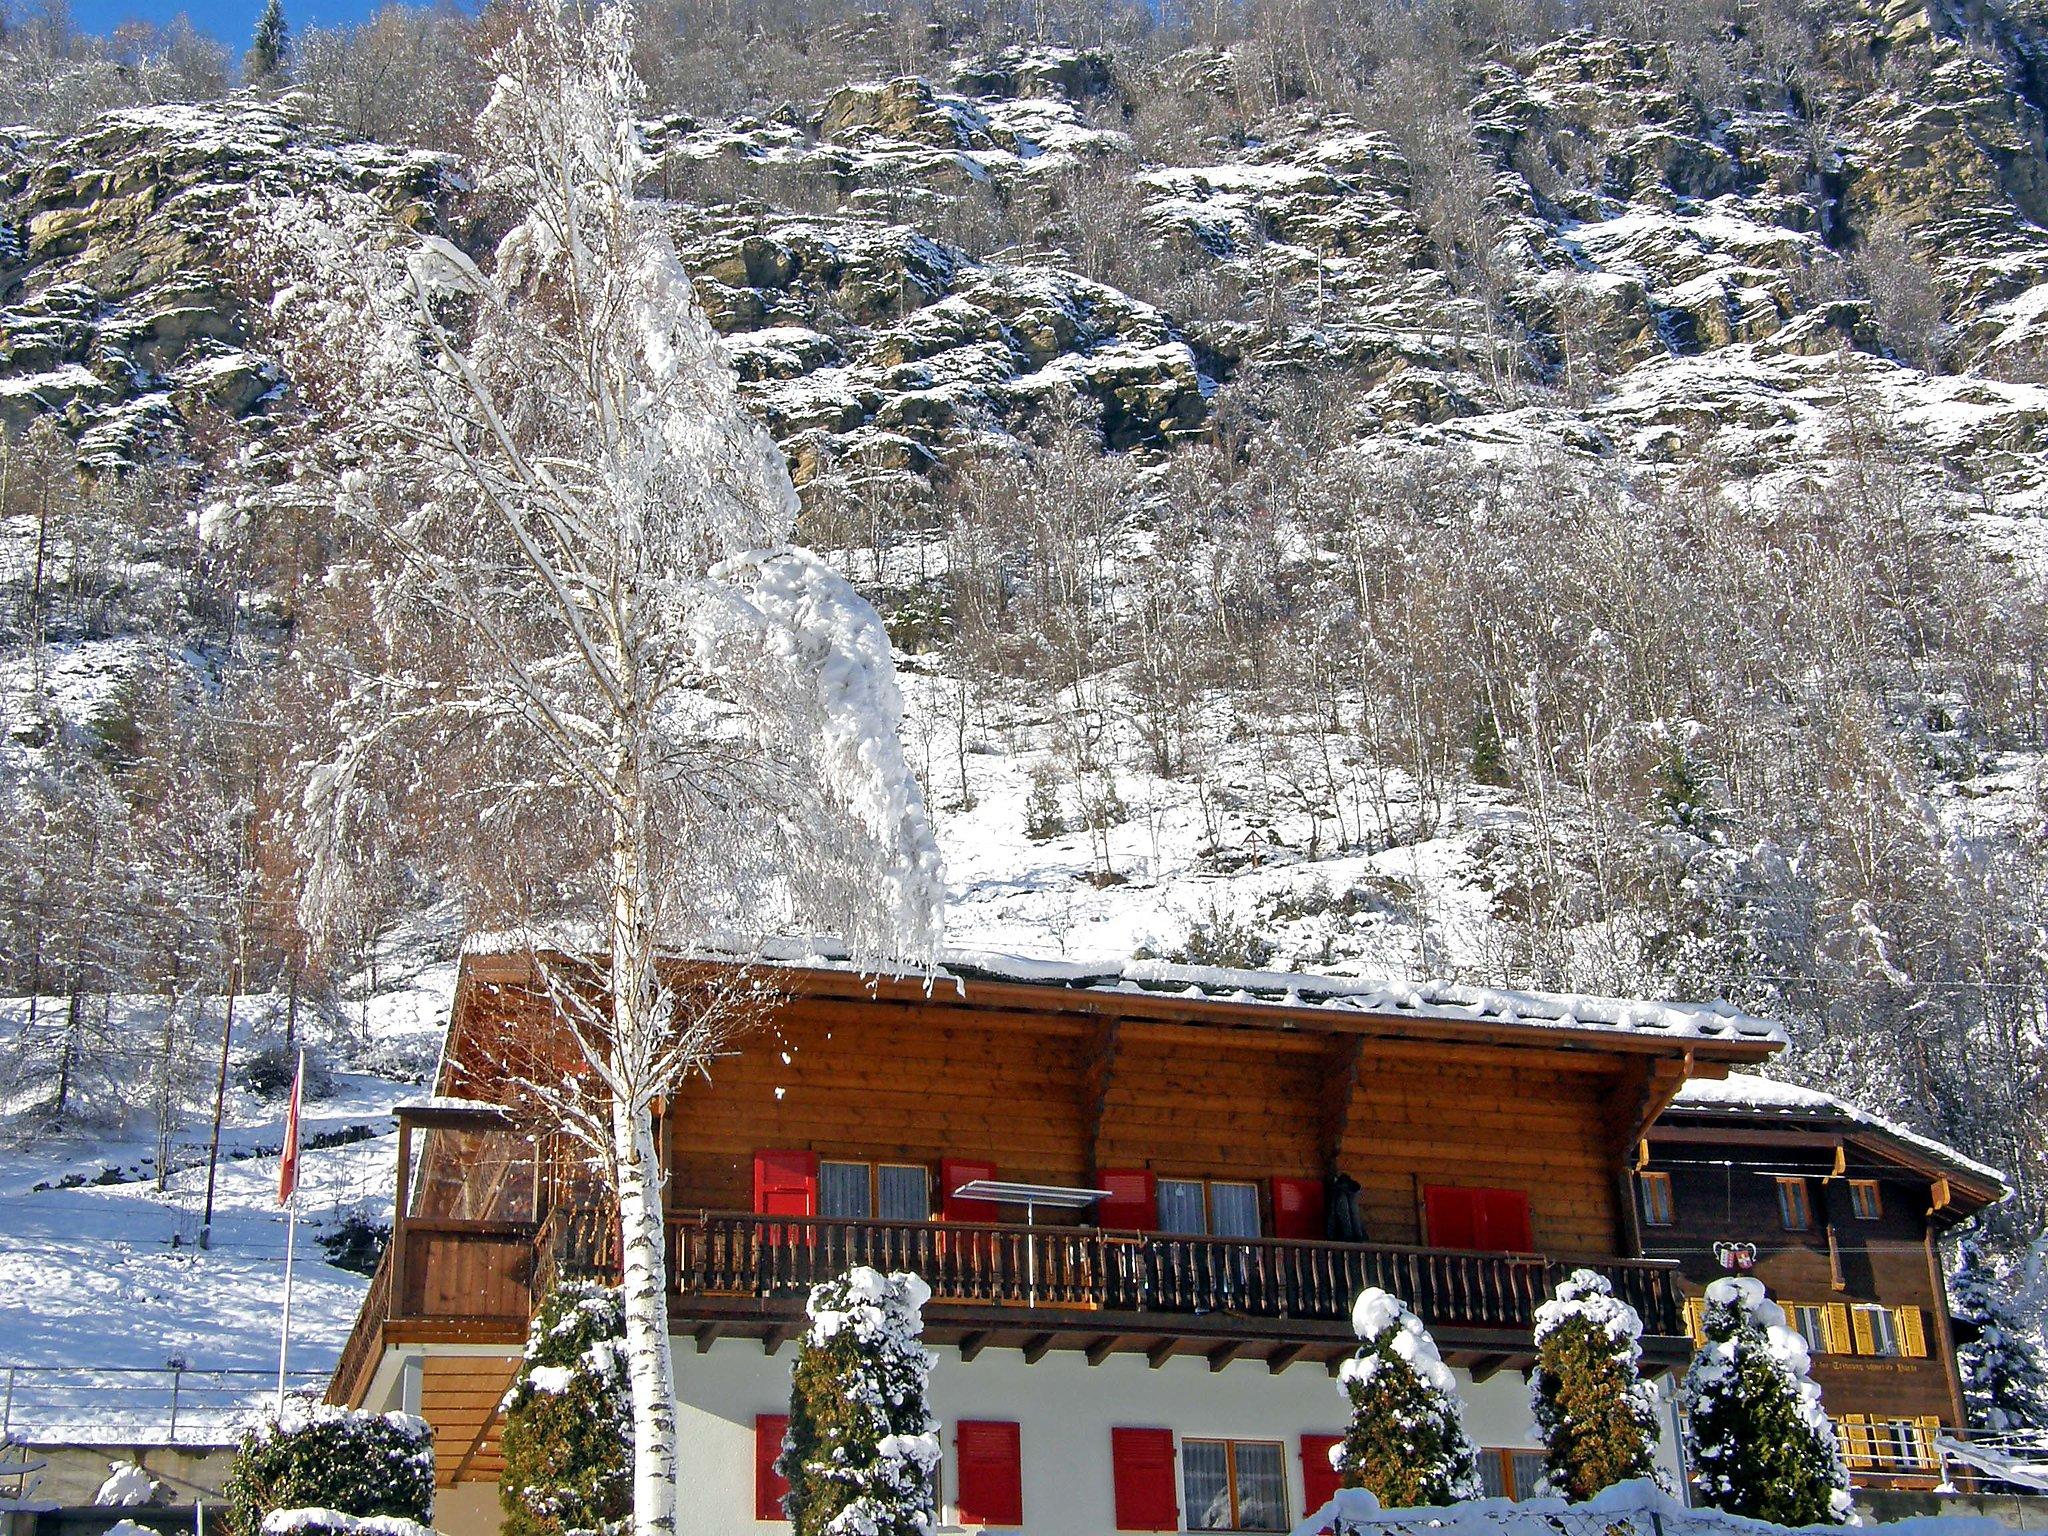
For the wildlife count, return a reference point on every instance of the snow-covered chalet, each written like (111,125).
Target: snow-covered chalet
(1144,1198)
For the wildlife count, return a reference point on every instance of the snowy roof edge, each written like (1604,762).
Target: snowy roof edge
(1751,1093)
(1447,1000)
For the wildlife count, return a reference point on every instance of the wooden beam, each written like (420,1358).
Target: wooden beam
(1098,1069)
(1339,1089)
(1161,1352)
(972,1344)
(1486,1367)
(1102,1348)
(707,1335)
(1035,1347)
(1223,1354)
(1281,1357)
(778,1336)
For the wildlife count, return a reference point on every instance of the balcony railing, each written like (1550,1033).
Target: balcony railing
(736,1255)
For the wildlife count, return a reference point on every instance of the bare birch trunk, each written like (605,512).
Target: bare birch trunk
(642,1241)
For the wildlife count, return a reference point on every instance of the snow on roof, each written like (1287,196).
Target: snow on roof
(1446,1000)
(1749,1093)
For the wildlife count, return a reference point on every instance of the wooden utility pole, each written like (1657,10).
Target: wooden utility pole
(220,1097)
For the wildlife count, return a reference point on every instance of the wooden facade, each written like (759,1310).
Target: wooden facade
(1842,1218)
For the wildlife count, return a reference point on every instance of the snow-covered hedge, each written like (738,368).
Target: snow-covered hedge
(568,1439)
(1593,1411)
(863,1448)
(1759,1442)
(1406,1441)
(320,1459)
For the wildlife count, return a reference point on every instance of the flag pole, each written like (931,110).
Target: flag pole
(288,1196)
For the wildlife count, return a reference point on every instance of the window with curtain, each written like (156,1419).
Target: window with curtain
(1234,1210)
(905,1192)
(1234,1485)
(1181,1207)
(843,1190)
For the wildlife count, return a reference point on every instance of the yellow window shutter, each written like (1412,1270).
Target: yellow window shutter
(1834,1328)
(1696,1319)
(1912,1333)
(1857,1447)
(1929,1427)
(1865,1335)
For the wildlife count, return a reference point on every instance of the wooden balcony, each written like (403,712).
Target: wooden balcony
(1049,1287)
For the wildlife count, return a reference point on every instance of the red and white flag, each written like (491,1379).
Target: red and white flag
(288,1163)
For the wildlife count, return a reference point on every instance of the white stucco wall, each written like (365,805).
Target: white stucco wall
(1065,1409)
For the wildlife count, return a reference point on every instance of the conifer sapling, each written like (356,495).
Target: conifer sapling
(1761,1445)
(1593,1411)
(2005,1377)
(568,1434)
(269,47)
(862,1447)
(1406,1442)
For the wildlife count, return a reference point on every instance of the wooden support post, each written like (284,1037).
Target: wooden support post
(1035,1347)
(972,1344)
(396,1305)
(707,1335)
(1223,1354)
(1101,1349)
(1161,1352)
(1284,1355)
(1486,1367)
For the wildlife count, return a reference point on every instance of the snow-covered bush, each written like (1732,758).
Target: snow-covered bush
(1406,1441)
(1760,1443)
(127,1485)
(2005,1378)
(862,1447)
(568,1431)
(325,1459)
(1594,1413)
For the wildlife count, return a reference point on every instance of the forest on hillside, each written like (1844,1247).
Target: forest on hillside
(1539,493)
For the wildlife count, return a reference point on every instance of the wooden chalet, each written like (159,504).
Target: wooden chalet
(1118,1182)
(1838,1213)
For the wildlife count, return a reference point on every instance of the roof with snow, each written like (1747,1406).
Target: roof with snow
(1433,1001)
(1749,1096)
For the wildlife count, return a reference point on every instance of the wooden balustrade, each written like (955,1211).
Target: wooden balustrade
(744,1255)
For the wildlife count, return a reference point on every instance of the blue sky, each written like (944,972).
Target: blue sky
(229,20)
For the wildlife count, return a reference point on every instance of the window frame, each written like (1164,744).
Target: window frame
(1801,1311)
(1207,1187)
(1866,1192)
(1230,1449)
(874,1168)
(1884,1330)
(1792,1190)
(1647,1181)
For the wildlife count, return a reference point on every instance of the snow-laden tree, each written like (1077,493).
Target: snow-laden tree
(2005,1375)
(1406,1441)
(1593,1410)
(862,1448)
(1759,1441)
(589,668)
(567,1440)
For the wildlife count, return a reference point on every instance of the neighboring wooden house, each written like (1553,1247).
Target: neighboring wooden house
(1838,1214)
(1153,1357)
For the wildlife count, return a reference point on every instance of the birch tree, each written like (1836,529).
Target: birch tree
(589,657)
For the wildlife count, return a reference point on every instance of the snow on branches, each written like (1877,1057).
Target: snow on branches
(1406,1441)
(1760,1443)
(1593,1410)
(862,1449)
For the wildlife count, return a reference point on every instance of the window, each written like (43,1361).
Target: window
(1865,1199)
(1234,1485)
(1509,1474)
(1197,1206)
(1812,1324)
(1877,1331)
(857,1191)
(903,1192)
(843,1190)
(1889,1445)
(1900,1446)
(1656,1199)
(1795,1213)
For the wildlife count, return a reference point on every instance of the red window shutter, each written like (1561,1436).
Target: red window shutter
(1451,1215)
(1132,1205)
(769,1484)
(955,1171)
(1318,1477)
(786,1183)
(1298,1209)
(991,1473)
(1142,1460)
(1504,1221)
